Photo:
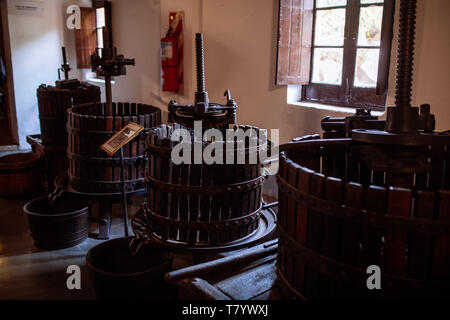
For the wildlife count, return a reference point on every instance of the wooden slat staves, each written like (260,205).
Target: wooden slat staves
(281,219)
(215,202)
(84,140)
(446,177)
(351,235)
(174,198)
(437,167)
(291,217)
(70,139)
(77,145)
(126,148)
(157,194)
(205,201)
(92,146)
(184,211)
(441,259)
(370,236)
(194,180)
(141,146)
(133,147)
(421,248)
(164,206)
(394,260)
(334,190)
(117,126)
(109,169)
(354,198)
(303,183)
(315,235)
(352,167)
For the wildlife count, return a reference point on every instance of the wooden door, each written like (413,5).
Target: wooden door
(8,120)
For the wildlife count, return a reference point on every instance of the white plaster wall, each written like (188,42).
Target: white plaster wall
(36,56)
(136,25)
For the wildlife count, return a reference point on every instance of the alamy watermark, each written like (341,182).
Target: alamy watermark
(74,20)
(239,146)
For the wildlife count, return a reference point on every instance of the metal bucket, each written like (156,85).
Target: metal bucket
(116,273)
(63,224)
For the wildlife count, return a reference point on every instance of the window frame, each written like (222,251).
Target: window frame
(107,29)
(346,94)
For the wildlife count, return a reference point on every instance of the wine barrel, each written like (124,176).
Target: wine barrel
(62,224)
(201,204)
(339,220)
(91,170)
(53,103)
(116,273)
(20,173)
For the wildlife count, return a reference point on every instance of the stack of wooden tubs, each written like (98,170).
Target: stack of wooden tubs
(53,102)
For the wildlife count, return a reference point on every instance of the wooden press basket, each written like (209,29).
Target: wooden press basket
(91,170)
(53,103)
(200,205)
(337,217)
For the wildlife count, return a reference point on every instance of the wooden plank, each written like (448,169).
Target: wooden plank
(315,236)
(194,180)
(290,267)
(351,235)
(351,232)
(421,247)
(395,245)
(371,237)
(334,190)
(446,176)
(245,286)
(205,201)
(108,169)
(437,167)
(117,125)
(282,211)
(216,201)
(441,259)
(294,41)
(303,184)
(184,211)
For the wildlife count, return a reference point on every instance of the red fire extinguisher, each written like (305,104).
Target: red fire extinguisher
(169,63)
(171,55)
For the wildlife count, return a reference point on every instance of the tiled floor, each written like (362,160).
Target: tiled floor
(27,272)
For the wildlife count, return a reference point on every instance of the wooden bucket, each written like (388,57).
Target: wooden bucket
(116,273)
(91,170)
(337,217)
(62,224)
(20,173)
(53,103)
(199,204)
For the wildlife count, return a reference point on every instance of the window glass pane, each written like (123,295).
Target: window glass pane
(327,65)
(370,19)
(371,1)
(366,68)
(329,28)
(100,38)
(330,3)
(100,17)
